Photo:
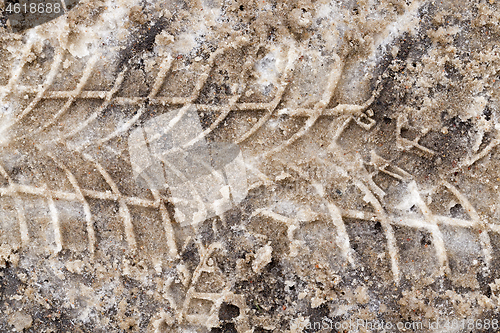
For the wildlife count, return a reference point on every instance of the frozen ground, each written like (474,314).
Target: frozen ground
(250,166)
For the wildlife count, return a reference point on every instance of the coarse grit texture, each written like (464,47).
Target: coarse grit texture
(250,166)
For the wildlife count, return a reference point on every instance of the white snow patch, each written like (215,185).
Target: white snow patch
(263,257)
